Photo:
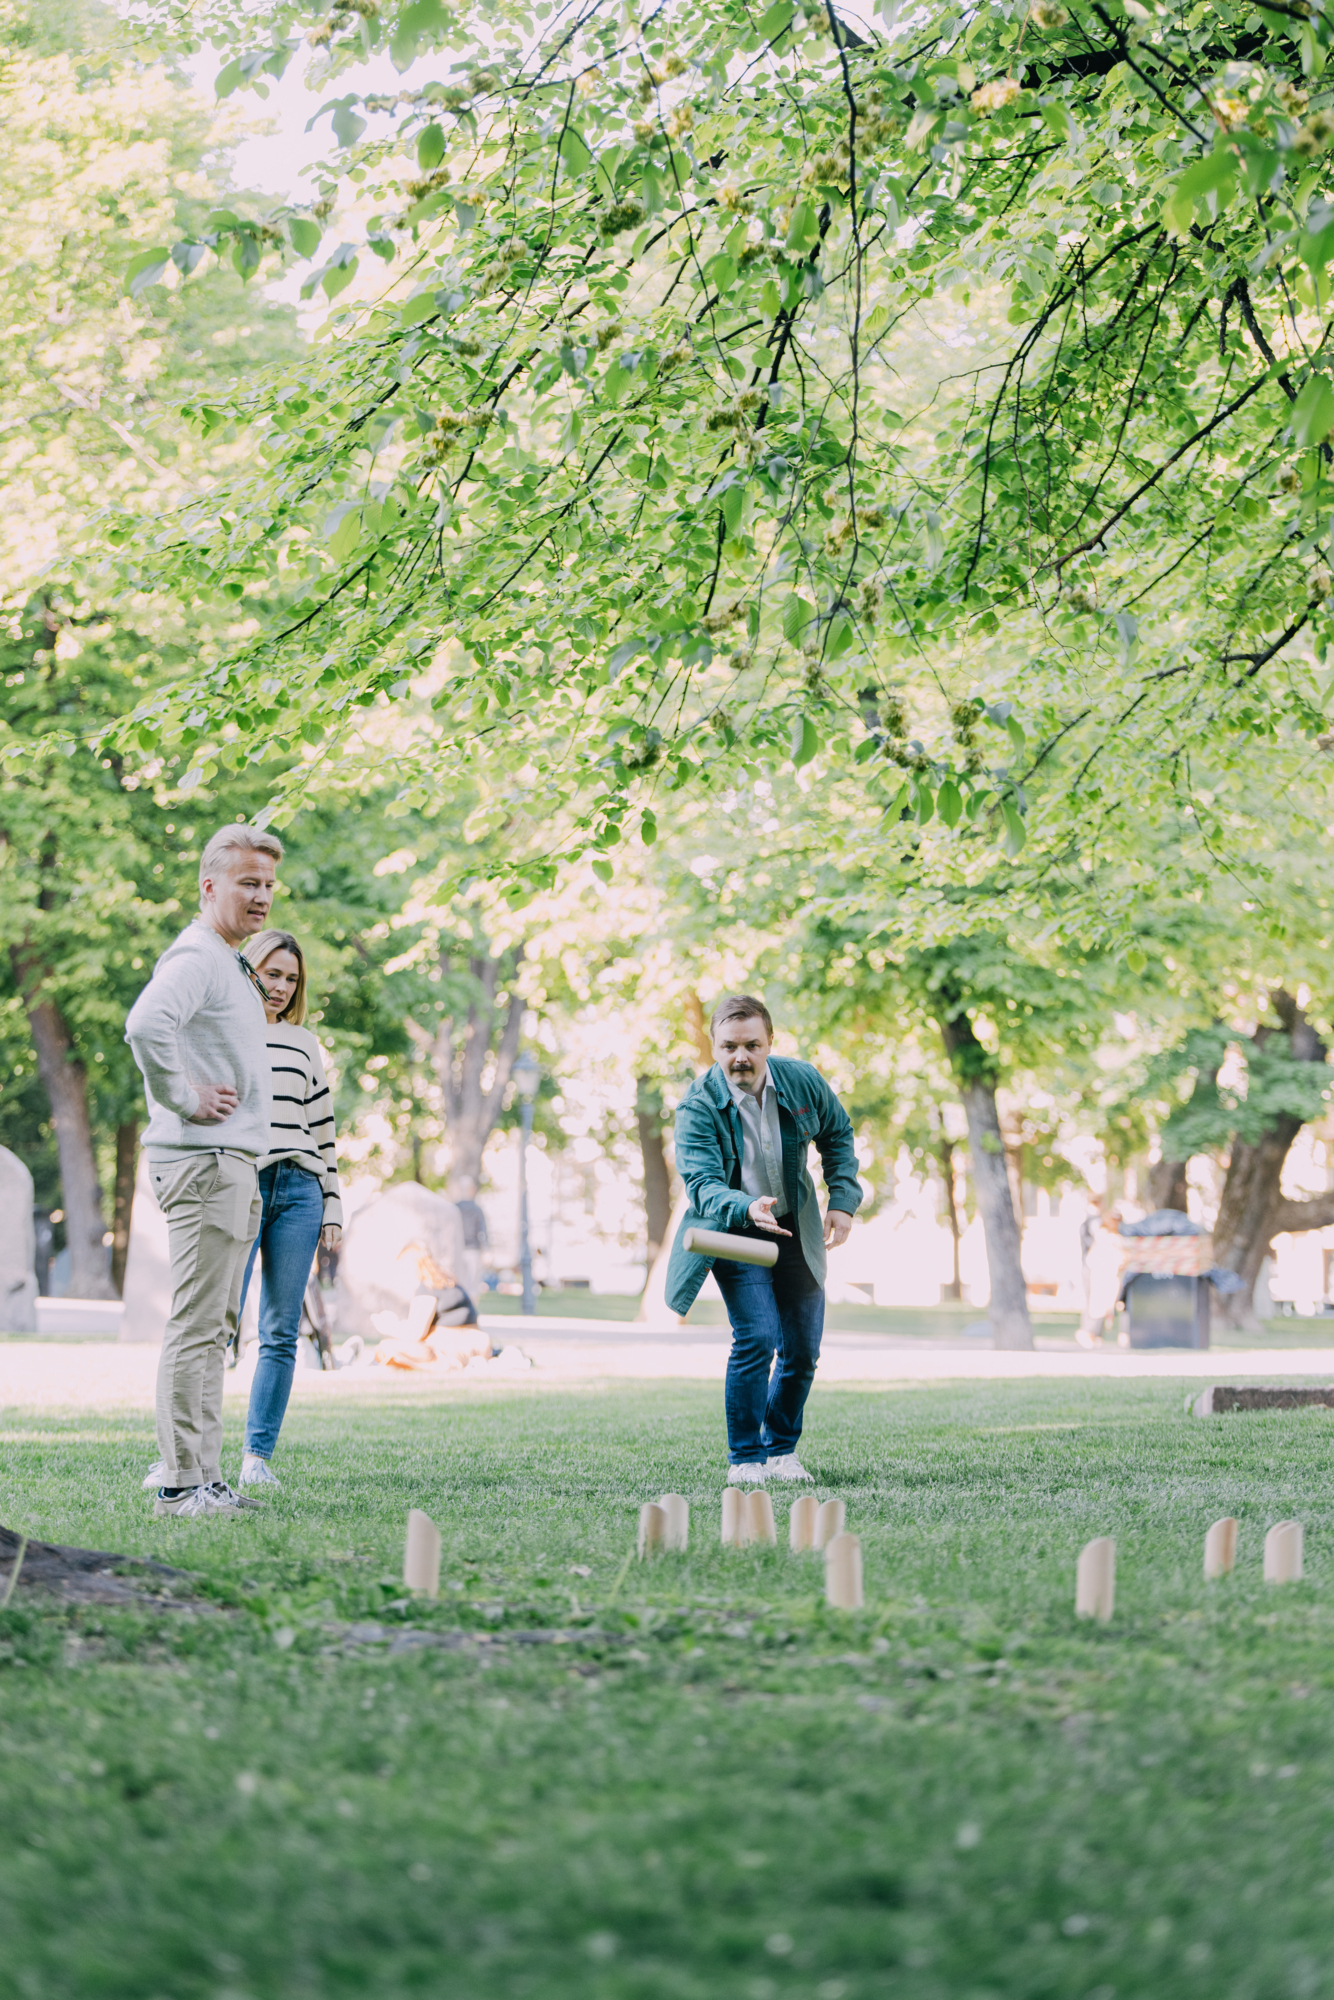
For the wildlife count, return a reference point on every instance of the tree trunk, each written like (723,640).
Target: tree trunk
(974,1067)
(1167,1185)
(472,1052)
(127,1161)
(657,1175)
(699,1028)
(945,1156)
(1252,1203)
(67,1088)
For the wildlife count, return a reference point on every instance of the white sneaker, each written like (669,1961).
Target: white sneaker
(787,1466)
(227,1496)
(746,1475)
(255,1472)
(155,1476)
(199,1503)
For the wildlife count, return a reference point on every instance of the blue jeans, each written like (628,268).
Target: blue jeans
(288,1238)
(772,1311)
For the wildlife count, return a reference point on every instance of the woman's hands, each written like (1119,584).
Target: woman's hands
(331,1235)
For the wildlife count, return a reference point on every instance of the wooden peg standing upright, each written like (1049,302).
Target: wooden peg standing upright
(801,1523)
(761,1511)
(1283,1553)
(734,1511)
(1220,1548)
(652,1528)
(843,1572)
(421,1554)
(830,1521)
(677,1510)
(1095,1579)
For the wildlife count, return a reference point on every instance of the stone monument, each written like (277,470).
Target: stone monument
(377,1265)
(18,1247)
(147,1290)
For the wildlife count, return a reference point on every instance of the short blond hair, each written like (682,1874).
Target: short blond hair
(257,949)
(238,838)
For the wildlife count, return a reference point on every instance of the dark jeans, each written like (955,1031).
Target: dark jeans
(778,1311)
(288,1238)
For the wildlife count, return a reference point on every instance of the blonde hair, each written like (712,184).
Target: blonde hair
(257,949)
(230,839)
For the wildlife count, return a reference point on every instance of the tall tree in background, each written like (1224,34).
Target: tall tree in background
(92,145)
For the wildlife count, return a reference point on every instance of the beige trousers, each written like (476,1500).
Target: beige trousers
(213,1208)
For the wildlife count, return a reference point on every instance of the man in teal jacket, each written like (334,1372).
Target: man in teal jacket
(742,1134)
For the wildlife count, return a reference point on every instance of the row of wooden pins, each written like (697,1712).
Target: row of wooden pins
(1095,1573)
(748,1519)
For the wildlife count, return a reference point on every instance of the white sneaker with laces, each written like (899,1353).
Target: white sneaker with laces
(197,1504)
(786,1466)
(751,1474)
(255,1472)
(154,1476)
(226,1496)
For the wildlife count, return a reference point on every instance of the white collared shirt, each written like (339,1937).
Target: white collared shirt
(761,1143)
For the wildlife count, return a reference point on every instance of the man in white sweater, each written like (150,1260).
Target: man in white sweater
(198,1035)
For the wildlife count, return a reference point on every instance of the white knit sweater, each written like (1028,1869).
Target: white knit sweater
(301,1126)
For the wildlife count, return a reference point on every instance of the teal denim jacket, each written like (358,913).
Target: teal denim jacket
(708,1159)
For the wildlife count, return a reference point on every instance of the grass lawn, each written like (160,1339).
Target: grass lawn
(712,1788)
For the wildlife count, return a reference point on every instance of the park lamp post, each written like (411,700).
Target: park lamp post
(527,1074)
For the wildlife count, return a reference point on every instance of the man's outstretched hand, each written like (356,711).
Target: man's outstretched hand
(216,1102)
(836,1227)
(761,1212)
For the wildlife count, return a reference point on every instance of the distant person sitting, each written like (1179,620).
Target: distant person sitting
(197,1034)
(475,1237)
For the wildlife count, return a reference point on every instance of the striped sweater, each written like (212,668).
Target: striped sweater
(301,1123)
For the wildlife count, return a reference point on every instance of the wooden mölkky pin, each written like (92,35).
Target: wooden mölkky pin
(760,1508)
(1283,1553)
(677,1532)
(1220,1548)
(1095,1579)
(801,1523)
(734,1510)
(843,1572)
(652,1528)
(830,1521)
(421,1554)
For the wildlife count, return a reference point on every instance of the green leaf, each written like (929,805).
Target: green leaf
(574,152)
(1215,176)
(337,277)
(875,322)
(949,803)
(228,79)
(776,19)
(306,235)
(722,273)
(648,829)
(144,270)
(188,256)
(734,501)
(430,147)
(426,20)
(1015,833)
(651,189)
(1312,415)
(603,870)
(347,126)
(840,638)
(424,306)
(771,299)
(796,615)
(803,230)
(1135,959)
(805,740)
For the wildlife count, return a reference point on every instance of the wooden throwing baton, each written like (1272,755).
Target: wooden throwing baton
(737,1249)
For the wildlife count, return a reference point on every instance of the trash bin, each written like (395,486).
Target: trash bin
(1167,1311)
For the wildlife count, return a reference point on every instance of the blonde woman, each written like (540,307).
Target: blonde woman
(298,1180)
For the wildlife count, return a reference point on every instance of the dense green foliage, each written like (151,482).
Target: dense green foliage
(715,1785)
(634,438)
